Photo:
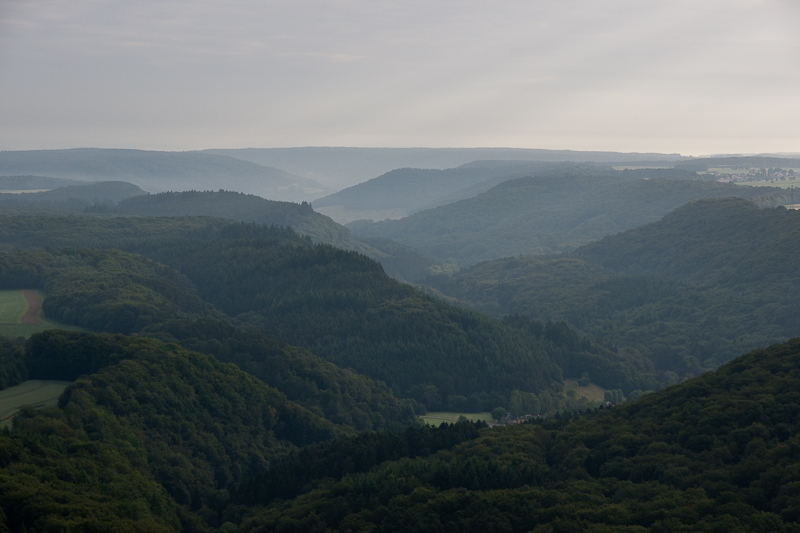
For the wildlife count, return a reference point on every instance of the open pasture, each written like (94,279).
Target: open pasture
(13,306)
(37,393)
(436,418)
(21,314)
(591,392)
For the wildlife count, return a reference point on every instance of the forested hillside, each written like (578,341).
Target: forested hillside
(399,261)
(150,435)
(548,214)
(717,453)
(237,206)
(710,280)
(339,305)
(403,191)
(118,292)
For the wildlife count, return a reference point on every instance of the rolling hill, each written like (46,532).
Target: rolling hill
(162,171)
(546,214)
(712,279)
(75,197)
(401,192)
(342,167)
(399,261)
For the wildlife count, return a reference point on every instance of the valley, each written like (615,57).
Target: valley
(219,361)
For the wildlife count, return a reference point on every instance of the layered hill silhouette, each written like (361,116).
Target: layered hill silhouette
(398,260)
(550,213)
(73,197)
(162,171)
(404,191)
(342,167)
(337,304)
(710,280)
(28,183)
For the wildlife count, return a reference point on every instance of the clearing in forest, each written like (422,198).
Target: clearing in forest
(592,392)
(38,393)
(13,306)
(435,419)
(21,314)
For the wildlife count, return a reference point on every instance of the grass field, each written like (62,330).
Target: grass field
(34,392)
(592,392)
(435,419)
(12,307)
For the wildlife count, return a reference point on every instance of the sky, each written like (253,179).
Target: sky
(669,76)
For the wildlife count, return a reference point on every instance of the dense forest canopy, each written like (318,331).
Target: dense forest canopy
(241,373)
(691,291)
(717,453)
(338,305)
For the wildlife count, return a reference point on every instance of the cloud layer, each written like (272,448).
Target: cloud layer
(678,76)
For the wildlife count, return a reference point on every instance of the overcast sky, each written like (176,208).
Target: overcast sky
(688,76)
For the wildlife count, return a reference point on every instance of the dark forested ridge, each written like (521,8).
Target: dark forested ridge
(717,453)
(710,280)
(546,214)
(339,305)
(399,261)
(343,307)
(240,207)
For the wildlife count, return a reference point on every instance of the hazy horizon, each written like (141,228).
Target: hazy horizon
(624,76)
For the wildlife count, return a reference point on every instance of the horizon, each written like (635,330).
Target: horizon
(625,77)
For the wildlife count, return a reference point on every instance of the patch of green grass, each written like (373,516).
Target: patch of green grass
(436,418)
(12,307)
(34,392)
(592,392)
(26,330)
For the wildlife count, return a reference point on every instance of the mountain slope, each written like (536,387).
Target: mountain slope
(162,171)
(399,261)
(339,305)
(544,214)
(146,426)
(711,279)
(118,292)
(401,192)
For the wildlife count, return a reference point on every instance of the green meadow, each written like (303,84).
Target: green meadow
(12,307)
(435,419)
(34,392)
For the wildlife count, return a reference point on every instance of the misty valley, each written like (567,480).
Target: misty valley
(412,340)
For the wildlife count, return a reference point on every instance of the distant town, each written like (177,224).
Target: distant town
(754,174)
